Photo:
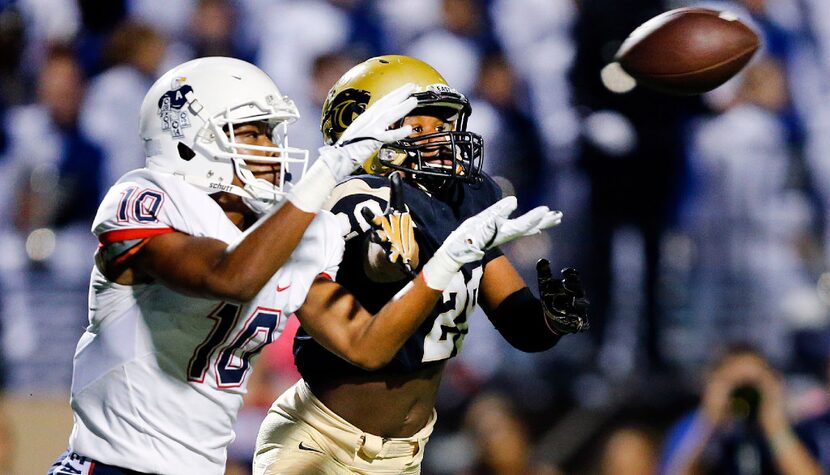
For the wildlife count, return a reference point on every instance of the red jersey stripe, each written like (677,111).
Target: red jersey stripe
(119,235)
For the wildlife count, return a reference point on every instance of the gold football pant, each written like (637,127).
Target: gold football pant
(302,436)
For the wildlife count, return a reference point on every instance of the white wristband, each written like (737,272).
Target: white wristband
(439,271)
(314,189)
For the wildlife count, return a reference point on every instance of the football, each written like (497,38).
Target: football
(688,50)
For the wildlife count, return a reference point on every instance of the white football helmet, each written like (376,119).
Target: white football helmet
(187,122)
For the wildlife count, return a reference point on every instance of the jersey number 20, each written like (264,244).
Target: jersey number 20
(447,334)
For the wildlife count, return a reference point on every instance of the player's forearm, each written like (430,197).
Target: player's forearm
(381,336)
(244,269)
(521,321)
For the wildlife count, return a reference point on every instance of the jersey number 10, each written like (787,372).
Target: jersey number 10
(233,352)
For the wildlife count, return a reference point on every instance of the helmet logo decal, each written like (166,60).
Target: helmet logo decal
(346,106)
(173,118)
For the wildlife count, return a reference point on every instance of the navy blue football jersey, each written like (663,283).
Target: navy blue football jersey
(441,335)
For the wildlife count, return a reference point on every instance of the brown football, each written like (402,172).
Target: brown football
(688,50)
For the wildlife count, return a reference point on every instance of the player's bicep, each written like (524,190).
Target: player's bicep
(181,262)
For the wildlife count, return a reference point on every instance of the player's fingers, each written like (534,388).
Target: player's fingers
(369,216)
(530,222)
(392,228)
(406,225)
(396,112)
(571,281)
(378,225)
(396,96)
(394,254)
(407,235)
(396,199)
(543,271)
(550,219)
(393,135)
(503,207)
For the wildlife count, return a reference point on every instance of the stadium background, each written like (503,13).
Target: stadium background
(696,222)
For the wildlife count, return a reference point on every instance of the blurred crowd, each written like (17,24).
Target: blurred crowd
(698,223)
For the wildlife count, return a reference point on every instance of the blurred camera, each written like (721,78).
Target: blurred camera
(744,401)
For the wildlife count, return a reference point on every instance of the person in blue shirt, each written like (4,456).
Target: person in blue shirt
(741,425)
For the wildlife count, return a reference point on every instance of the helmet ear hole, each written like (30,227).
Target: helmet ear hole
(186,153)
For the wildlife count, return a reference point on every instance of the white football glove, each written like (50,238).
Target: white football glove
(482,232)
(528,224)
(359,142)
(369,132)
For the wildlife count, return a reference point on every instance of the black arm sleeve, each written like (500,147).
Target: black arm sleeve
(521,321)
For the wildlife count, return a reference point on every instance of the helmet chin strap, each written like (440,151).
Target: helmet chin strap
(258,206)
(261,195)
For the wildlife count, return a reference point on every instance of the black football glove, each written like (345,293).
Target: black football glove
(394,229)
(563,300)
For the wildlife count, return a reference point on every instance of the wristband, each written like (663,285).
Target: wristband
(439,271)
(313,190)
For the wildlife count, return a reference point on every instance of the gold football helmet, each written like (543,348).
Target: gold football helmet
(454,154)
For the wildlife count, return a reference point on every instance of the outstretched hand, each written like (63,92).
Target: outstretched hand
(359,143)
(563,300)
(369,131)
(528,224)
(373,124)
(394,230)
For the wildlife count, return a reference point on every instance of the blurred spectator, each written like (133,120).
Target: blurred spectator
(98,20)
(501,438)
(110,113)
(295,32)
(46,22)
(404,20)
(326,69)
(306,45)
(741,425)
(57,167)
(747,218)
(629,450)
(514,149)
(814,431)
(52,183)
(168,18)
(456,48)
(538,42)
(366,31)
(212,30)
(12,83)
(631,150)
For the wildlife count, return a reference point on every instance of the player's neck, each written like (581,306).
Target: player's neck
(240,215)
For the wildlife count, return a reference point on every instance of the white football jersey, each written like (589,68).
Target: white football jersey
(159,376)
